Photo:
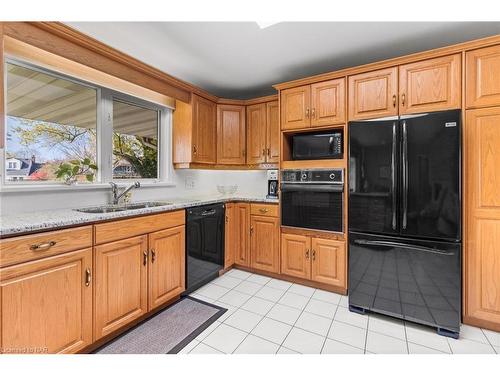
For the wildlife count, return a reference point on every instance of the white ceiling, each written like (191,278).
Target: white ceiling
(239,60)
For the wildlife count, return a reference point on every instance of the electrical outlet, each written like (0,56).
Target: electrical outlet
(189,182)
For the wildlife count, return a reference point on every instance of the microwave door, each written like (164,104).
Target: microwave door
(373,177)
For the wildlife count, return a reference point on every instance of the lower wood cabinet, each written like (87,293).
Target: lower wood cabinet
(46,304)
(242,234)
(167,271)
(121,274)
(318,259)
(229,235)
(264,243)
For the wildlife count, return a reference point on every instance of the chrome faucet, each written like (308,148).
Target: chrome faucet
(114,191)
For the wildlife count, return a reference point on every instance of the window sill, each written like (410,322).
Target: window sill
(74,188)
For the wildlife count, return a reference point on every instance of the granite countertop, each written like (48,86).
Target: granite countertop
(24,223)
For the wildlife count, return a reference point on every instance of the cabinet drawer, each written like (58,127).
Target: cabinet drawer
(121,229)
(264,209)
(35,246)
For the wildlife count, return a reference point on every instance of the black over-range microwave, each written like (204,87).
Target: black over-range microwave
(321,145)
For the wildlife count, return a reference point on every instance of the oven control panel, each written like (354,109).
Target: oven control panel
(334,176)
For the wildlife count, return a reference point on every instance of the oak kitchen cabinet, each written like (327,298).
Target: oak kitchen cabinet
(46,303)
(231,134)
(482,218)
(319,104)
(242,234)
(264,237)
(263,133)
(422,86)
(195,132)
(131,269)
(229,235)
(482,77)
(314,258)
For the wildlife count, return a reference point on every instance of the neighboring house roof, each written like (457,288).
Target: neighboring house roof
(28,167)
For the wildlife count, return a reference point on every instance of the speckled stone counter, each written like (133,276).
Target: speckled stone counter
(25,223)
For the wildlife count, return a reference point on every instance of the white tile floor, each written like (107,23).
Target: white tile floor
(266,315)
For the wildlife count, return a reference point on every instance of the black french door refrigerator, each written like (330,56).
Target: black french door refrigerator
(405,218)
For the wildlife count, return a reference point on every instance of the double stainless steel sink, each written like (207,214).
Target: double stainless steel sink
(122,207)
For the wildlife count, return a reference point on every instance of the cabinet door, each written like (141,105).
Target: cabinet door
(167,278)
(46,305)
(295,255)
(328,103)
(296,108)
(482,184)
(204,130)
(328,261)
(120,284)
(229,235)
(256,145)
(264,243)
(482,76)
(231,137)
(430,85)
(242,234)
(273,132)
(373,94)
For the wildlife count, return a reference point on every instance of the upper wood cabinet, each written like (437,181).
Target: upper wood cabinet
(483,77)
(263,133)
(195,131)
(328,103)
(46,304)
(373,94)
(273,132)
(482,220)
(167,265)
(264,243)
(430,85)
(120,284)
(230,235)
(328,261)
(231,134)
(295,255)
(319,104)
(242,234)
(256,129)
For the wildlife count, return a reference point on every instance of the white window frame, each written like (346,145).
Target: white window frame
(104,138)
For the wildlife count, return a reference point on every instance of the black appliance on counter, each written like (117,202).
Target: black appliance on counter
(405,218)
(321,145)
(272,184)
(313,199)
(204,244)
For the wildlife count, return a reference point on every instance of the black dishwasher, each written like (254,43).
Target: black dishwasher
(204,244)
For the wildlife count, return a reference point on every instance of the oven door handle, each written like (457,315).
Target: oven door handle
(319,188)
(403,245)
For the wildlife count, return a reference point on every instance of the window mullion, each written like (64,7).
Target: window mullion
(105,135)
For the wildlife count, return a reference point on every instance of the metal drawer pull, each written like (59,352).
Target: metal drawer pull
(314,254)
(153,255)
(42,246)
(307,254)
(88,276)
(263,210)
(145,258)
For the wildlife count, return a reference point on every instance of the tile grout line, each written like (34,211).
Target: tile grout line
(329,328)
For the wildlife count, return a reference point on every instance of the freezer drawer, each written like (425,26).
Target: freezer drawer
(414,280)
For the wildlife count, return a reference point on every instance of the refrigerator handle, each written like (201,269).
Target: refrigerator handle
(393,175)
(405,175)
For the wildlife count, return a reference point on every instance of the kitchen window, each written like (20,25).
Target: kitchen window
(62,130)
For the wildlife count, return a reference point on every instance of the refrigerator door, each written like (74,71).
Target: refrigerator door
(373,176)
(430,174)
(414,280)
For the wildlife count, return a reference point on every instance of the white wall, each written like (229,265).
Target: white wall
(188,183)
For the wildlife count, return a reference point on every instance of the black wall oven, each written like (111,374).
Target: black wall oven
(313,199)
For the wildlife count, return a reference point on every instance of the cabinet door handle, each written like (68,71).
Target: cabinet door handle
(263,152)
(268,152)
(244,153)
(195,150)
(251,230)
(227,219)
(314,254)
(307,112)
(307,254)
(403,98)
(394,100)
(145,258)
(42,246)
(313,113)
(153,255)
(88,277)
